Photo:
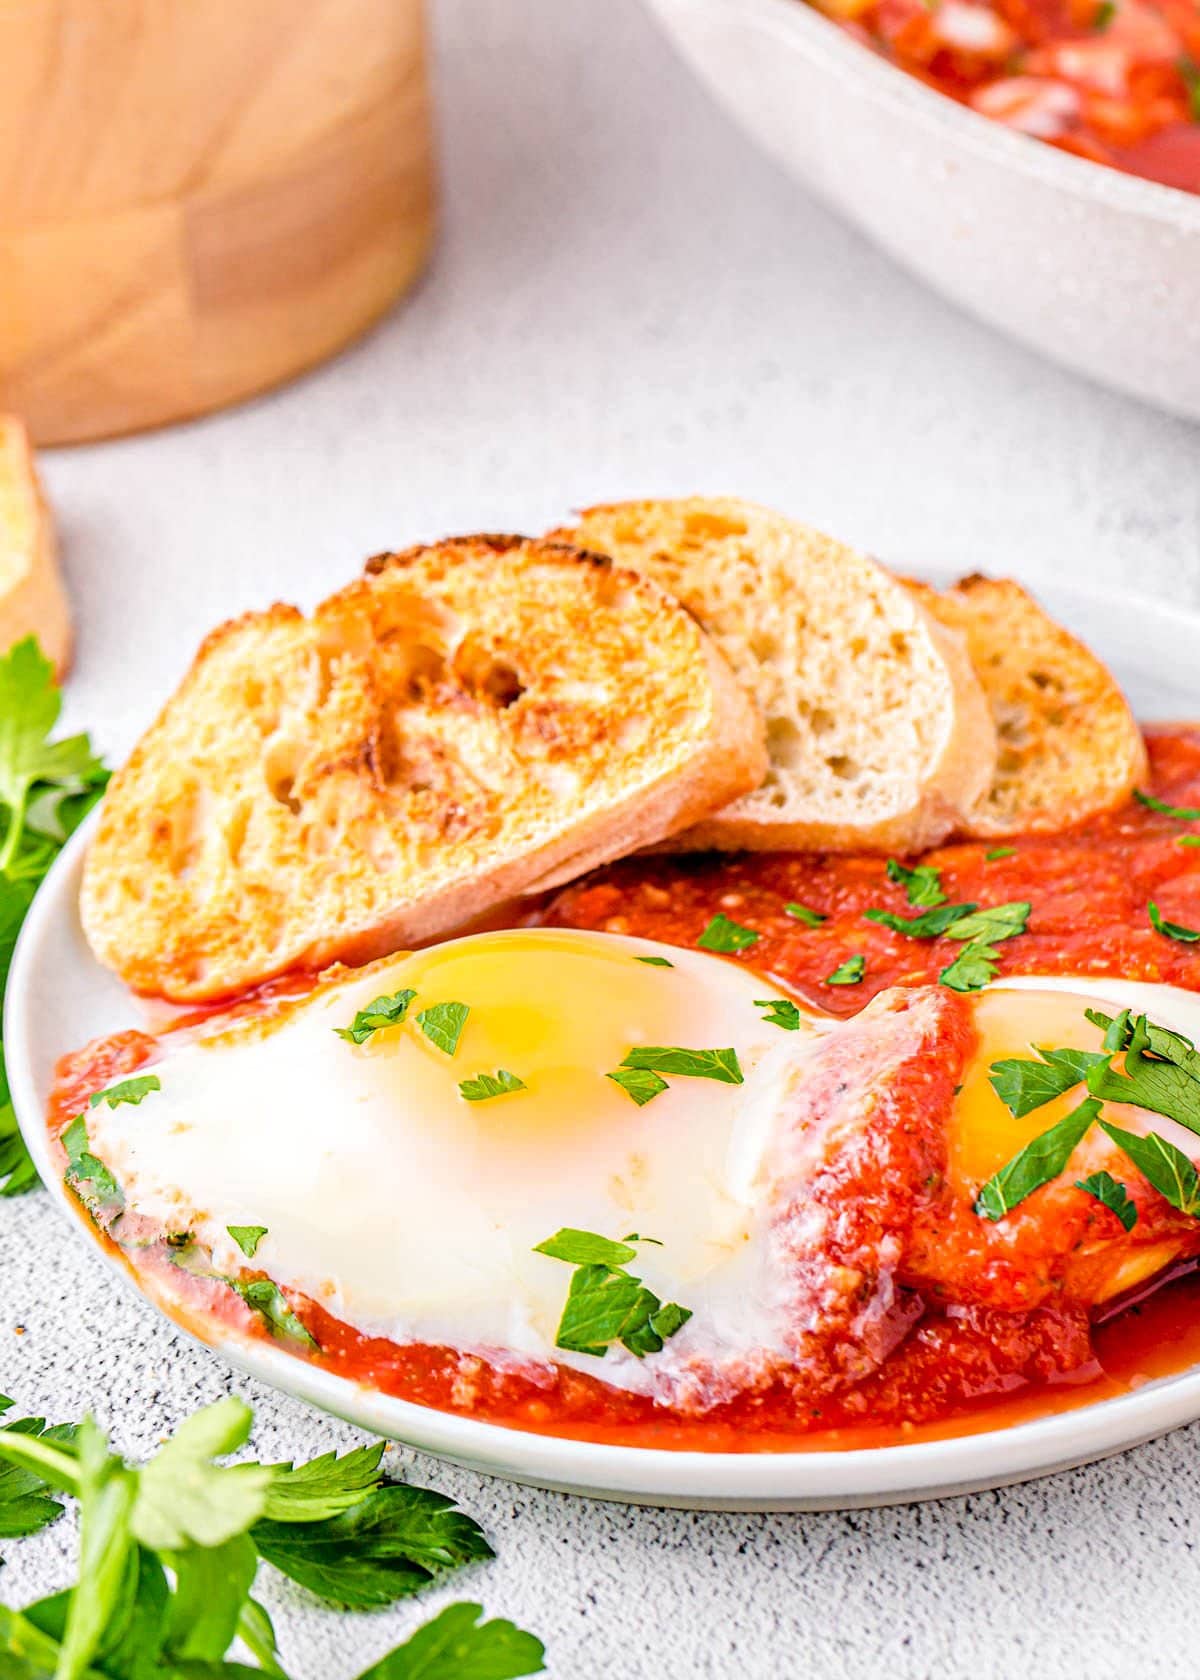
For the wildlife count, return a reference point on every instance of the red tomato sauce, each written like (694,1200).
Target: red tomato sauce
(1117,81)
(1088,889)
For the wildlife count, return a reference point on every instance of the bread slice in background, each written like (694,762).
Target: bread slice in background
(33,601)
(481,718)
(1068,745)
(878,731)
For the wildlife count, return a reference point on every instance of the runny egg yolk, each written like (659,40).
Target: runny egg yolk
(983,1134)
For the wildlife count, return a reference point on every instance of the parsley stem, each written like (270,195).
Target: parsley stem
(53,1466)
(16,825)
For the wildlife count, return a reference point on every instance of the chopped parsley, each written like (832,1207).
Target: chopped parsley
(1023,1085)
(1188,840)
(266,1298)
(486,1085)
(655,962)
(923,884)
(1112,1194)
(929,924)
(442,1024)
(1162,1165)
(1162,1069)
(247,1237)
(1041,1160)
(974,966)
(86,1174)
(1170,930)
(998,852)
(802,913)
(381,1012)
(1190,71)
(127,1091)
(848,973)
(722,1065)
(978,962)
(1180,813)
(605,1304)
(779,1012)
(721,934)
(639,1083)
(1105,12)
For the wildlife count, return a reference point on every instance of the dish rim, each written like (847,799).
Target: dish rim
(750,1480)
(849,60)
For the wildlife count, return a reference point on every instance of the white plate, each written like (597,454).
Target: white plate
(58,997)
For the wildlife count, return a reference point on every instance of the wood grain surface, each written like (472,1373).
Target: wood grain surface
(198,199)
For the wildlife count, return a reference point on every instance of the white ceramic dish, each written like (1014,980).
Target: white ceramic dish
(1098,270)
(58,998)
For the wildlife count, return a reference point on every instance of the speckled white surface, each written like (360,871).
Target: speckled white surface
(629,300)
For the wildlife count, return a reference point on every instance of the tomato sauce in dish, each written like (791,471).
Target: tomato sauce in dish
(1117,81)
(958,1369)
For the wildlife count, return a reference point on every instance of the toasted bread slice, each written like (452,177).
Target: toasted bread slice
(1069,747)
(469,721)
(33,601)
(878,732)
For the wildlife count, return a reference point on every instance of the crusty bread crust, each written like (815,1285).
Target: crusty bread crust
(469,721)
(33,601)
(879,733)
(1069,746)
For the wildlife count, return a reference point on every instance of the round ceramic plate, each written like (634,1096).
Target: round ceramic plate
(58,997)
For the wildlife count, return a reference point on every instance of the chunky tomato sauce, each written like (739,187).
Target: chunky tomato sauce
(1117,81)
(955,1372)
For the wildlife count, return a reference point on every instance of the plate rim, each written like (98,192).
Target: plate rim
(750,1480)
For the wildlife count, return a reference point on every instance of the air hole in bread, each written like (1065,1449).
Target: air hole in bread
(235,830)
(281,761)
(414,668)
(485,675)
(845,769)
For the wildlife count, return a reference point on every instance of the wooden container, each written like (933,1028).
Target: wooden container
(199,198)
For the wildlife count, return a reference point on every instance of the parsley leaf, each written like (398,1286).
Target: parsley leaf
(1188,840)
(604,1303)
(442,1024)
(721,1065)
(639,1083)
(655,962)
(848,973)
(992,924)
(1023,1086)
(976,964)
(1181,813)
(721,934)
(1040,1161)
(998,852)
(1105,12)
(484,1085)
(1162,1165)
(585,1248)
(930,924)
(1190,71)
(394,1541)
(456,1645)
(25,1504)
(1112,1194)
(247,1237)
(779,1012)
(126,1091)
(324,1487)
(1162,1072)
(384,1011)
(801,913)
(266,1298)
(1170,930)
(922,884)
(86,1174)
(184,1499)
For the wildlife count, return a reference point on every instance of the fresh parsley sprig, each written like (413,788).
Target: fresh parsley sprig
(46,789)
(1023,1085)
(1041,1160)
(605,1304)
(170,1550)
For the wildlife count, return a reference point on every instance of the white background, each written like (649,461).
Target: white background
(627,300)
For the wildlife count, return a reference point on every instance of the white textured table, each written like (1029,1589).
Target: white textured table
(628,300)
